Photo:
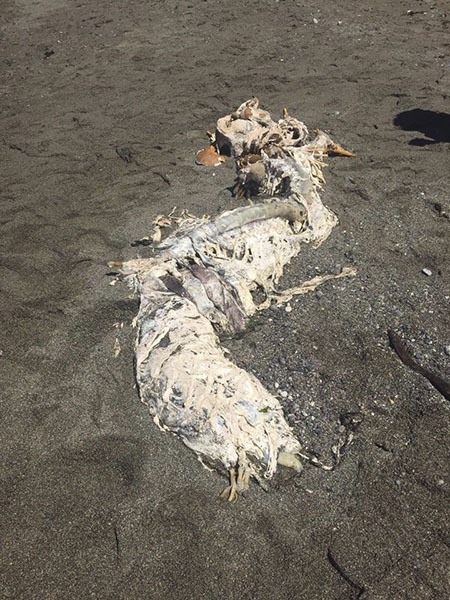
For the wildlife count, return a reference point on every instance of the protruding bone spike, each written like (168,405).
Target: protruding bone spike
(244,215)
(285,113)
(230,492)
(339,150)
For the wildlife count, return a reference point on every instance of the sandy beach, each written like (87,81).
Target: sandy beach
(103,107)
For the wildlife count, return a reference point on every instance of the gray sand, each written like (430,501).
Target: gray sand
(95,501)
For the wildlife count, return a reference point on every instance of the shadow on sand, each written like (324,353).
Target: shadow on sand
(434,125)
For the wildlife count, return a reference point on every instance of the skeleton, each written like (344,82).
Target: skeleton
(200,284)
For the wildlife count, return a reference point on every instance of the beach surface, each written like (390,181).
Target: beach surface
(103,107)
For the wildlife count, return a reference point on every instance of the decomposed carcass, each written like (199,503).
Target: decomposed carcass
(200,282)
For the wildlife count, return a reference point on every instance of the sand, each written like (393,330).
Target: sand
(103,107)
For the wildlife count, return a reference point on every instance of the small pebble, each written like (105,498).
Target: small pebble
(288,308)
(427,272)
(283,394)
(447,350)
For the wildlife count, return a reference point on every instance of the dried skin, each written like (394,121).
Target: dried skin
(220,411)
(200,282)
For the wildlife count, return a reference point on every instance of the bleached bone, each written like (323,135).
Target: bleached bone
(249,129)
